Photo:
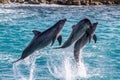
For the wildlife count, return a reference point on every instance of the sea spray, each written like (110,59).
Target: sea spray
(54,65)
(17,73)
(32,69)
(61,65)
(17,21)
(81,69)
(29,67)
(68,70)
(61,68)
(32,66)
(54,70)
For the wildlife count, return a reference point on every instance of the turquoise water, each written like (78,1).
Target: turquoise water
(100,61)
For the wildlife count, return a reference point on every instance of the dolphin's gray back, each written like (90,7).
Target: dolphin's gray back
(78,31)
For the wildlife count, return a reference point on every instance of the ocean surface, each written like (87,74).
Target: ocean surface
(100,61)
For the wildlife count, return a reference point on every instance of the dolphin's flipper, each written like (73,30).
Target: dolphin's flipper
(53,40)
(94,38)
(36,32)
(59,39)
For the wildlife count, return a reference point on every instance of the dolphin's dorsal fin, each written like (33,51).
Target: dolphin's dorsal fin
(94,38)
(36,32)
(59,39)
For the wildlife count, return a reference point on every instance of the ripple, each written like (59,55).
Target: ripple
(101,60)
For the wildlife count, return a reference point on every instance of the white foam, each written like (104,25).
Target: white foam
(66,70)
(60,66)
(17,74)
(28,62)
(32,69)
(36,5)
(33,66)
(81,70)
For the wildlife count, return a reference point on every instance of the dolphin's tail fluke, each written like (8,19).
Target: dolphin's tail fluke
(16,61)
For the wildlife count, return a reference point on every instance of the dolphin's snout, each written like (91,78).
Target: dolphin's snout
(96,23)
(88,22)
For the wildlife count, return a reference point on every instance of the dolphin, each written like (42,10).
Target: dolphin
(78,31)
(83,40)
(42,39)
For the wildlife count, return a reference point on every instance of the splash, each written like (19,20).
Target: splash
(17,73)
(32,69)
(29,64)
(60,66)
(82,70)
(63,67)
(68,72)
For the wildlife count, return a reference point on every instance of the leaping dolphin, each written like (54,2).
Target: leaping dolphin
(78,31)
(84,40)
(42,39)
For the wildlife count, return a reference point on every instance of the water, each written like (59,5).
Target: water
(99,61)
